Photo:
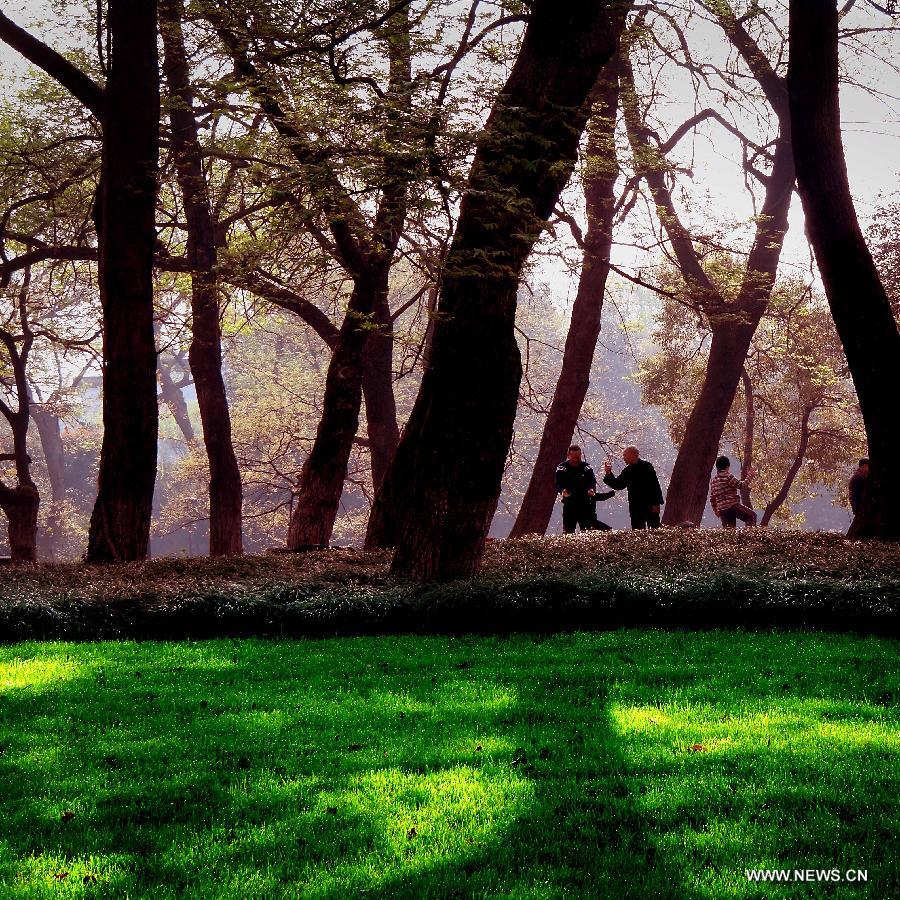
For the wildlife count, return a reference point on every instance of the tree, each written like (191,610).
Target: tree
(733,318)
(128,109)
(601,173)
(205,355)
(858,301)
(120,523)
(442,488)
(19,503)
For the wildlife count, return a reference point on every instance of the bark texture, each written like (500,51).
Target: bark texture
(859,304)
(120,522)
(444,483)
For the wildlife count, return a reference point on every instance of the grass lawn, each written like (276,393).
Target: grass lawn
(626,763)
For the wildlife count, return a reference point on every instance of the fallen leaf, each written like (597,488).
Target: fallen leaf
(697,748)
(59,876)
(411,834)
(67,815)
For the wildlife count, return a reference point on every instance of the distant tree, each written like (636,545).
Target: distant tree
(858,300)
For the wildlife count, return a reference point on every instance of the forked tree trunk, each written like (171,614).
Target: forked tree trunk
(859,304)
(205,354)
(584,327)
(445,479)
(120,522)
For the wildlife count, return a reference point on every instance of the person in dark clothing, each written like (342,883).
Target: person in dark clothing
(856,489)
(576,481)
(644,493)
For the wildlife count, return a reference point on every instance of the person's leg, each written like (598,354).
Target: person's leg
(728,517)
(638,519)
(745,514)
(570,517)
(652,519)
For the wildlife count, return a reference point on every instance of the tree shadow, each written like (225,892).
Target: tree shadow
(439,767)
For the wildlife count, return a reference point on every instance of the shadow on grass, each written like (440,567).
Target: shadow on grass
(450,767)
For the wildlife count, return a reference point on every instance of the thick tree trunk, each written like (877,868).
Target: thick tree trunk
(205,354)
(120,523)
(323,473)
(584,327)
(859,304)
(445,479)
(20,505)
(378,389)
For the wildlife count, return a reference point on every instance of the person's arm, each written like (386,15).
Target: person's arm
(658,489)
(605,495)
(559,485)
(590,480)
(614,482)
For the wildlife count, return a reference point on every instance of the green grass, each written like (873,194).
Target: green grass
(440,766)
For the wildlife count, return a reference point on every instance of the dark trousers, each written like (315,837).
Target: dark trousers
(644,518)
(738,511)
(581,513)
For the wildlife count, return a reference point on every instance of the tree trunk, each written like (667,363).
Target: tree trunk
(378,389)
(445,479)
(323,473)
(749,429)
(120,523)
(775,503)
(48,426)
(733,327)
(172,396)
(205,354)
(20,505)
(584,327)
(859,304)
(689,485)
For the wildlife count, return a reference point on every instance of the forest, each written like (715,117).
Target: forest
(306,274)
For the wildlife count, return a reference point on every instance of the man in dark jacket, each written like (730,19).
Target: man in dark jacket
(576,481)
(856,489)
(644,493)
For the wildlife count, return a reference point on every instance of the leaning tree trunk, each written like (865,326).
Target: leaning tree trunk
(733,328)
(859,304)
(120,523)
(322,476)
(778,500)
(445,479)
(584,327)
(205,354)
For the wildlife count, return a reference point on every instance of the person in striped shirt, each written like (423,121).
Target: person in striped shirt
(725,498)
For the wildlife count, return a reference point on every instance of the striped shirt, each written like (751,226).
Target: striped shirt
(723,491)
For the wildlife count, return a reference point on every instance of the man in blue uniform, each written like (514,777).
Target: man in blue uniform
(644,493)
(576,481)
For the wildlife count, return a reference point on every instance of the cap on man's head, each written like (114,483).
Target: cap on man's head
(723,463)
